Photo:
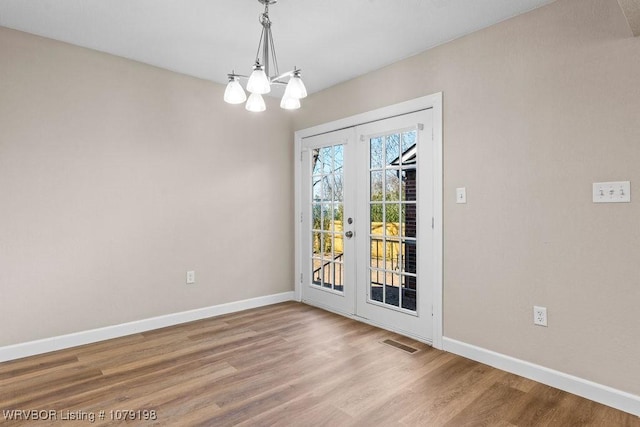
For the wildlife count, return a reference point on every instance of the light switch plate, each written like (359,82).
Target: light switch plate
(191,277)
(612,192)
(461,195)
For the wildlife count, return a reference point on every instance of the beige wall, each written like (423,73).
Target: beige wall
(116,178)
(536,109)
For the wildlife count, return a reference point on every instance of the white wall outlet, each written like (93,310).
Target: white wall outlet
(612,192)
(539,315)
(191,277)
(461,195)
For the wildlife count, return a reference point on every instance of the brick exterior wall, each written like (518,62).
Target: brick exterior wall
(410,228)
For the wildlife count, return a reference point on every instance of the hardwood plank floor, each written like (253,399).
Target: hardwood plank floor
(283,365)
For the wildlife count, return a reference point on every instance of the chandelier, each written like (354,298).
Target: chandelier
(260,81)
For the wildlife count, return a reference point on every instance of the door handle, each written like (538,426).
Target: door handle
(349,234)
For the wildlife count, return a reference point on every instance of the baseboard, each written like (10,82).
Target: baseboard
(46,345)
(609,396)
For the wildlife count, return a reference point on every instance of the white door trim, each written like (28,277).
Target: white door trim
(431,101)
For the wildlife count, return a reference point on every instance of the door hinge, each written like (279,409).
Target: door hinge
(301,216)
(301,278)
(433,223)
(300,155)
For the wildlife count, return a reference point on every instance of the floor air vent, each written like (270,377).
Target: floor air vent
(401,346)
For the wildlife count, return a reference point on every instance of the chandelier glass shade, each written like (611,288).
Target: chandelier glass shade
(290,103)
(260,80)
(234,94)
(295,87)
(255,103)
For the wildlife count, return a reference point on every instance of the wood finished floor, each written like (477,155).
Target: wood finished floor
(284,365)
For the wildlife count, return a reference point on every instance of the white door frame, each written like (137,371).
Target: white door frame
(431,101)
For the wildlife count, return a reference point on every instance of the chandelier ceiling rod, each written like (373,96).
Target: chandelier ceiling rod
(260,80)
(266,40)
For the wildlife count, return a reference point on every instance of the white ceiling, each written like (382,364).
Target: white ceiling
(330,40)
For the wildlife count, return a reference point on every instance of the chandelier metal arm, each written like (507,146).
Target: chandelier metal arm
(273,53)
(283,75)
(259,46)
(273,80)
(233,74)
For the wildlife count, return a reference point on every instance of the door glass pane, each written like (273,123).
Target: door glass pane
(338,187)
(316,276)
(338,248)
(409,256)
(315,244)
(410,220)
(393,228)
(337,217)
(316,189)
(327,188)
(327,281)
(408,294)
(338,272)
(391,220)
(326,160)
(322,238)
(377,253)
(375,153)
(376,186)
(376,289)
(392,149)
(408,147)
(316,216)
(392,255)
(408,215)
(338,158)
(408,185)
(327,247)
(392,290)
(392,209)
(376,217)
(392,185)
(327,214)
(316,163)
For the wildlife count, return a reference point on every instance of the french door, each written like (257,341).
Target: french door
(328,195)
(367,197)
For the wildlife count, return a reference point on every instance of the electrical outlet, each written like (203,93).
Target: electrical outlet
(539,315)
(191,277)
